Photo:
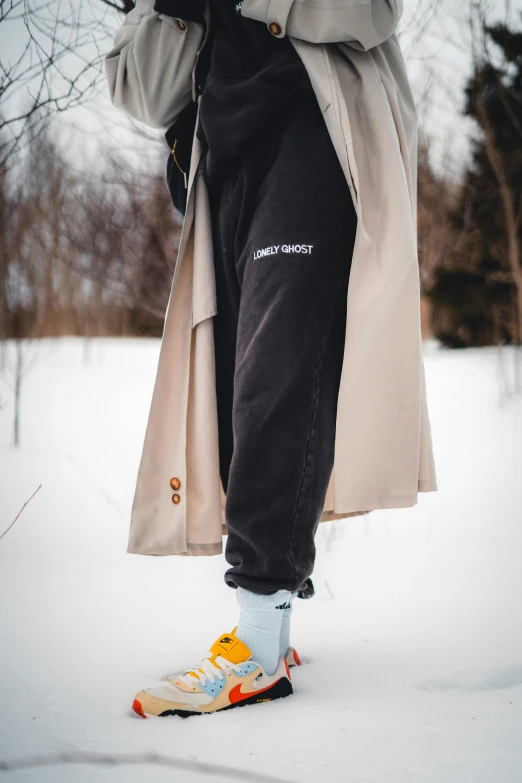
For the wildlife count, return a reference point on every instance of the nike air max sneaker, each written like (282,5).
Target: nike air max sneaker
(226,678)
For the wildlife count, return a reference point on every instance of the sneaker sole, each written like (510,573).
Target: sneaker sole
(280,690)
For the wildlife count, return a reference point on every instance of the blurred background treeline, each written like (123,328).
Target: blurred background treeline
(88,235)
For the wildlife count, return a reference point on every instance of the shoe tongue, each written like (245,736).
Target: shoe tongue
(231,648)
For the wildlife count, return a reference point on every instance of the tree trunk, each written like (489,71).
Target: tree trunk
(17,390)
(510,204)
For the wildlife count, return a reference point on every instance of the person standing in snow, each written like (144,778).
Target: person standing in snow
(290,384)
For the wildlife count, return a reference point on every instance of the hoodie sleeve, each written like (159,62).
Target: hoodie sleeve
(149,68)
(361,23)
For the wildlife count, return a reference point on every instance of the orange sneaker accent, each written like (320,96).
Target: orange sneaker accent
(231,648)
(287,670)
(138,709)
(236,694)
(297,659)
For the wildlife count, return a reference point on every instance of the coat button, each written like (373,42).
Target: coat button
(175,483)
(274,28)
(175,498)
(181,24)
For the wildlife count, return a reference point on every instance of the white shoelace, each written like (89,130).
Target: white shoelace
(207,671)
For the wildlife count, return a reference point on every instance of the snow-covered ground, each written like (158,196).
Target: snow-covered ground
(414,641)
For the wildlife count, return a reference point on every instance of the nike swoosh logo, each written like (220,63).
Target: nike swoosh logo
(236,694)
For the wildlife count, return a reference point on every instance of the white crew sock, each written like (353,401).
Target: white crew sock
(284,636)
(260,625)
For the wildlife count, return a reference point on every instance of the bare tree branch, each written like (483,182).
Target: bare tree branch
(59,64)
(102,759)
(12,523)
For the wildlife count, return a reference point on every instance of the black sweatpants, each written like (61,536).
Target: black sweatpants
(284,227)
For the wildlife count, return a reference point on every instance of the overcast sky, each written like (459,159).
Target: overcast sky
(442,59)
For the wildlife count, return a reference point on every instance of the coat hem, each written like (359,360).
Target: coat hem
(215,548)
(378,503)
(204,549)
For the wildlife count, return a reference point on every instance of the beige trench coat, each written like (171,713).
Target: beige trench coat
(383,449)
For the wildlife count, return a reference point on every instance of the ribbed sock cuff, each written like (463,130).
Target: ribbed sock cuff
(260,625)
(284,635)
(262,603)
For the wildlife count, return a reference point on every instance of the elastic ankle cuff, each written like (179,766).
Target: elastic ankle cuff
(260,603)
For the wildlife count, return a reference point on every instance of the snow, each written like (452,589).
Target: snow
(413,642)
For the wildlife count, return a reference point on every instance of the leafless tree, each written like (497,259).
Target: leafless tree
(122,232)
(510,189)
(16,290)
(88,252)
(58,65)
